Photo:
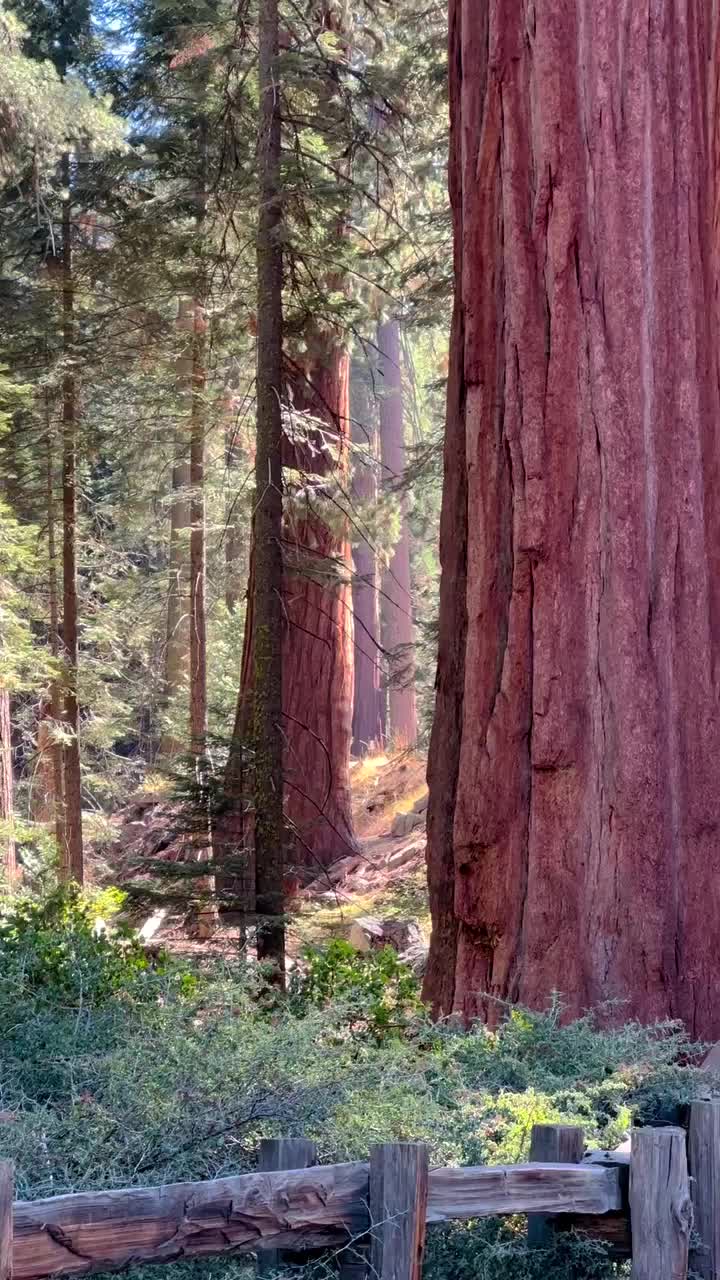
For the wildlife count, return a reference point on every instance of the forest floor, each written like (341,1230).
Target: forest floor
(384,881)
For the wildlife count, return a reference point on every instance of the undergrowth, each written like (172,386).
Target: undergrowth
(118,1071)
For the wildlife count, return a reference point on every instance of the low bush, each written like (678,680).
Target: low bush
(381,995)
(114,1072)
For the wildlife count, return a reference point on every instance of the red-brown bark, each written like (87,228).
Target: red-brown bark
(398,632)
(318,666)
(317,632)
(368,725)
(582,427)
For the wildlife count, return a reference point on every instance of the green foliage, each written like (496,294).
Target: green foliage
(39,113)
(120,1075)
(59,948)
(379,992)
(497,1250)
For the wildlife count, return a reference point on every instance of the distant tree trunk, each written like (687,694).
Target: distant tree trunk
(398,632)
(232,539)
(177,643)
(580,615)
(206,920)
(7,843)
(318,666)
(198,604)
(71,750)
(368,725)
(56,701)
(269,828)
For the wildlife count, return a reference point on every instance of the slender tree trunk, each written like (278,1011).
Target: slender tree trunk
(198,604)
(7,842)
(207,920)
(71,751)
(56,700)
(177,643)
(233,543)
(398,632)
(369,696)
(267,598)
(583,803)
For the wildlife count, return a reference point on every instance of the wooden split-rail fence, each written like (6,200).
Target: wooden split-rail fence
(373,1216)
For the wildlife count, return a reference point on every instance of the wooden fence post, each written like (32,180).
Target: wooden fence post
(398,1208)
(704,1161)
(660,1206)
(552,1144)
(278,1154)
(6,1219)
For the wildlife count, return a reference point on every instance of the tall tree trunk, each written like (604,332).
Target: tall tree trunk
(8,864)
(232,536)
(206,920)
(198,604)
(73,860)
(56,700)
(269,834)
(582,425)
(398,633)
(318,662)
(368,725)
(177,642)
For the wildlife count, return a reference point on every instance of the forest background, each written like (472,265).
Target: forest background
(213,601)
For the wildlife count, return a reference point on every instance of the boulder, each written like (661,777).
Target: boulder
(367,933)
(406,853)
(404,823)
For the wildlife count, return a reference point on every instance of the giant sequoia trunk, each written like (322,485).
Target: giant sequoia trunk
(318,660)
(317,623)
(398,633)
(574,795)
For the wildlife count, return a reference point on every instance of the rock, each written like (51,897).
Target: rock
(367,933)
(420,806)
(402,934)
(416,958)
(143,800)
(406,854)
(711,1062)
(152,924)
(404,823)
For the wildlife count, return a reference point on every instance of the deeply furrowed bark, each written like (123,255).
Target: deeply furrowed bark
(579,816)
(317,599)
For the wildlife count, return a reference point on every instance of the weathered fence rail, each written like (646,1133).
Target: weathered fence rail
(382,1208)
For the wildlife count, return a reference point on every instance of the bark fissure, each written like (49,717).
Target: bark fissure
(579,804)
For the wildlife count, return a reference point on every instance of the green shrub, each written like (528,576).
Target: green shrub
(380,993)
(60,948)
(497,1250)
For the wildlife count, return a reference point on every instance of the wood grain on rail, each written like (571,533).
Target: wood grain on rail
(304,1208)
